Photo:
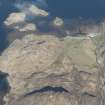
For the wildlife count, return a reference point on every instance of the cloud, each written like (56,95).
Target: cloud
(23,4)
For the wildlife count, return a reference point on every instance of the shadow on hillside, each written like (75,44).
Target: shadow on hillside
(4,86)
(48,89)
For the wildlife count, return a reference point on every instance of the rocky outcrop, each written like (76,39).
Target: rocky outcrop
(28,56)
(48,98)
(40,67)
(101,73)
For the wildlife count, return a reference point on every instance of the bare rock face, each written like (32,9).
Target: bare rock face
(81,93)
(48,98)
(53,99)
(28,56)
(41,71)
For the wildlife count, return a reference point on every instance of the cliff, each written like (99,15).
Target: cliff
(50,68)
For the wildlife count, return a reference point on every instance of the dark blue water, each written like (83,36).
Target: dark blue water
(6,8)
(77,8)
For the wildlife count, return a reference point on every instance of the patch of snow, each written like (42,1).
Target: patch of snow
(93,34)
(58,22)
(28,27)
(15,18)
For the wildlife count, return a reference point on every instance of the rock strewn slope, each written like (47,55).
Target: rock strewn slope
(46,62)
(28,56)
